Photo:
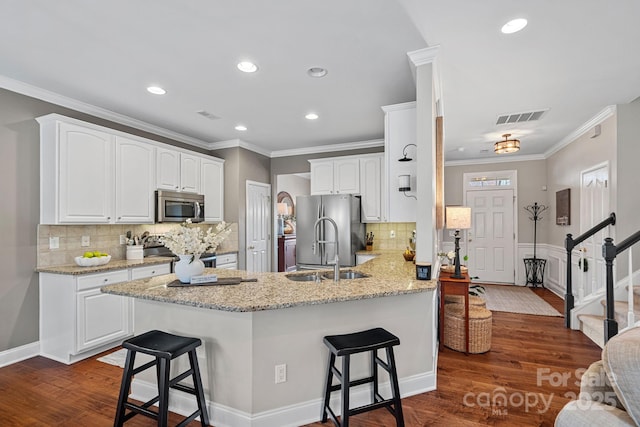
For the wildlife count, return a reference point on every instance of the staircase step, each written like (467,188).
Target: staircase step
(621,309)
(593,327)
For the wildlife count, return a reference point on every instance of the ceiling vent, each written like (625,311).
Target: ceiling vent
(528,116)
(208,115)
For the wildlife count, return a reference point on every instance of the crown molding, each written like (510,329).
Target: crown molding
(606,112)
(489,160)
(233,143)
(399,107)
(63,101)
(329,148)
(423,56)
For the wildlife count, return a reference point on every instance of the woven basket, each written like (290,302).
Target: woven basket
(479,328)
(459,299)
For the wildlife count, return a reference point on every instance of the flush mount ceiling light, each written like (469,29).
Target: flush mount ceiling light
(156,90)
(317,72)
(241,128)
(514,26)
(506,146)
(247,67)
(311,116)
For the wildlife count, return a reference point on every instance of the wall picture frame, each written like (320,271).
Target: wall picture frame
(563,207)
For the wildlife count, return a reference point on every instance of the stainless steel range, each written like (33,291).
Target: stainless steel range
(153,248)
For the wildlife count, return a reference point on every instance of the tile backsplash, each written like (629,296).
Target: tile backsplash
(104,238)
(382,234)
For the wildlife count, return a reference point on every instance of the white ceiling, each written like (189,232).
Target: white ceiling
(574,58)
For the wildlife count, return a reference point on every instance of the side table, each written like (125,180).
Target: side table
(452,286)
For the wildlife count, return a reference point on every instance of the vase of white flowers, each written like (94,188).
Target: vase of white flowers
(189,242)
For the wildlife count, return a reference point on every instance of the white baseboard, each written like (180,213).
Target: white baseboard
(17,354)
(291,415)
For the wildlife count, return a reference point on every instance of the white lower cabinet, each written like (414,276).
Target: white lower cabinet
(78,321)
(227,261)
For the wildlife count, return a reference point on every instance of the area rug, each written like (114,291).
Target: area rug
(116,358)
(517,299)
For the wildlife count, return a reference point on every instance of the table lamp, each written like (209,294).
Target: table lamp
(458,218)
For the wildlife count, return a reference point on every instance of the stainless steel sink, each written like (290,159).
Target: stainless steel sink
(346,275)
(312,277)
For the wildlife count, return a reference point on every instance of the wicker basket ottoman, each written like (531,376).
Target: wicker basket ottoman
(479,328)
(459,299)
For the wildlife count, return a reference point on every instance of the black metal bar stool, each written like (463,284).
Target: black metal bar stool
(164,348)
(359,342)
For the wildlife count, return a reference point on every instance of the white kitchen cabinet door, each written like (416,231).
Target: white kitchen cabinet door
(212,185)
(321,177)
(85,171)
(102,318)
(371,183)
(167,169)
(189,173)
(346,176)
(135,169)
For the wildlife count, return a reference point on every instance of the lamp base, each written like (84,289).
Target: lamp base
(457,274)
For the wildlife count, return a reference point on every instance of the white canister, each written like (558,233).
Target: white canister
(135,252)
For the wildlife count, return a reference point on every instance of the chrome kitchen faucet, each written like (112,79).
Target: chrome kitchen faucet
(336,265)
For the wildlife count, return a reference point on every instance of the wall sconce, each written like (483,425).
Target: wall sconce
(404,153)
(404,183)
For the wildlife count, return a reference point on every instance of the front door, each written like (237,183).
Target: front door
(491,240)
(258,238)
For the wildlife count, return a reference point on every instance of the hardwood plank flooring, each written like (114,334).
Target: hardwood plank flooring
(532,364)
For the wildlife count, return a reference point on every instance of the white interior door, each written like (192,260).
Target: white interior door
(258,237)
(594,208)
(491,240)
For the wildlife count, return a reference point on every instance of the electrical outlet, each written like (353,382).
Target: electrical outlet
(123,239)
(86,241)
(54,242)
(392,234)
(281,373)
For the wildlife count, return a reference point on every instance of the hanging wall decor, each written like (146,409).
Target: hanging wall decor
(563,207)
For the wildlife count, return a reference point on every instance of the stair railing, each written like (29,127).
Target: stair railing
(609,252)
(569,244)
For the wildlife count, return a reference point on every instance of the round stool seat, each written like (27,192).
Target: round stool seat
(480,322)
(459,299)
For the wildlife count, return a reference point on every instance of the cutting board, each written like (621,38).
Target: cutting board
(221,281)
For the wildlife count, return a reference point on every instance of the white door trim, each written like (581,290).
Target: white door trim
(512,175)
(269,244)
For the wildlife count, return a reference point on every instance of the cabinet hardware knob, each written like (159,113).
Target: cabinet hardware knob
(119,218)
(106,280)
(153,272)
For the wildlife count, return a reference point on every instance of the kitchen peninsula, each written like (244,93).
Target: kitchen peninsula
(250,328)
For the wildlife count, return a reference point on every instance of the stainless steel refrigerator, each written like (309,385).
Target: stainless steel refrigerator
(344,209)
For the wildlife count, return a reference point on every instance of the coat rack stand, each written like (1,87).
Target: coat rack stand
(534,267)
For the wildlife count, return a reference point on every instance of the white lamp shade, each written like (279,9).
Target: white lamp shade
(283,208)
(458,217)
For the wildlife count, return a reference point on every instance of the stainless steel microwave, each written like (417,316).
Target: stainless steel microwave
(173,206)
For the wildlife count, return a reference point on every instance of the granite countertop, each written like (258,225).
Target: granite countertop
(74,270)
(389,274)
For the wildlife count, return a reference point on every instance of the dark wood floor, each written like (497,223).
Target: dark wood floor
(529,357)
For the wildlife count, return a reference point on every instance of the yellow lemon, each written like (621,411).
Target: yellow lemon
(88,255)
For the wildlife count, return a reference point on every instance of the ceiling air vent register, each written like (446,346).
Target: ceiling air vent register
(528,116)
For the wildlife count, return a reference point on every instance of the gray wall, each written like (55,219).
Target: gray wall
(628,203)
(563,171)
(531,178)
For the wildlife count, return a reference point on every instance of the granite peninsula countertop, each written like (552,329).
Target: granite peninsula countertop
(389,274)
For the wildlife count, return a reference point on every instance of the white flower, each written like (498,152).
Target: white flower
(191,240)
(451,255)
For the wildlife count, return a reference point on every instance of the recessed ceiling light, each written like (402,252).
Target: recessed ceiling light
(247,67)
(317,72)
(311,116)
(156,90)
(241,128)
(514,26)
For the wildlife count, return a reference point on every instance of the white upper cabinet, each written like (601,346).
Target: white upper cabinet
(79,187)
(400,136)
(135,168)
(190,173)
(212,184)
(90,174)
(371,187)
(167,169)
(335,176)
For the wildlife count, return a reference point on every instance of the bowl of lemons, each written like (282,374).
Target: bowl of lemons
(92,259)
